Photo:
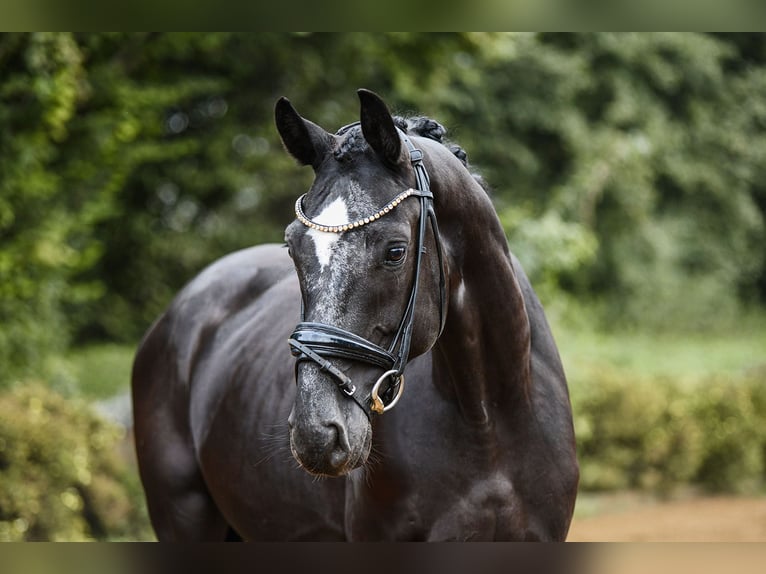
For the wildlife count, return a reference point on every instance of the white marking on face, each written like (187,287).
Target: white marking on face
(334,214)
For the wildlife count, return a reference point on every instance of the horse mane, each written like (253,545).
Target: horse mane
(429,128)
(419,126)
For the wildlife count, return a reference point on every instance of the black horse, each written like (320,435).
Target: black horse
(400,261)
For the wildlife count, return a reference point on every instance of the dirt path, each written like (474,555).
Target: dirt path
(724,519)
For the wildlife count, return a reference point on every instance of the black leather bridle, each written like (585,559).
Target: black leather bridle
(318,342)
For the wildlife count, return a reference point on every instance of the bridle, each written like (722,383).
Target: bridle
(317,342)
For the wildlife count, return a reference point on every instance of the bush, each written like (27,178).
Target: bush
(735,434)
(657,434)
(634,433)
(61,475)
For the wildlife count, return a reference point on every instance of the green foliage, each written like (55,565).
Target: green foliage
(41,86)
(641,143)
(634,434)
(734,441)
(551,247)
(657,434)
(61,474)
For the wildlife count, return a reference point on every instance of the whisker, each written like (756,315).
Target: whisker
(275,444)
(374,460)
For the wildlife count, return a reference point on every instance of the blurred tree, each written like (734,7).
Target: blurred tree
(42,85)
(648,150)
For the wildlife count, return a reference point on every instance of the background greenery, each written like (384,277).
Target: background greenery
(628,169)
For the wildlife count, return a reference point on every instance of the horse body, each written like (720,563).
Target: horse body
(480,447)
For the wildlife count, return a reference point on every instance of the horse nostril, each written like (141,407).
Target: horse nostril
(340,449)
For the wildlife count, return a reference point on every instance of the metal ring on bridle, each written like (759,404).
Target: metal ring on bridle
(377,405)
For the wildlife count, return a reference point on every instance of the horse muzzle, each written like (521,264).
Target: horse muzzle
(331,447)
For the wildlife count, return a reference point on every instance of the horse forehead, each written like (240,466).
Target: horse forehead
(346,204)
(347,191)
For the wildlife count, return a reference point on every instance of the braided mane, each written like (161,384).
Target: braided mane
(419,126)
(429,128)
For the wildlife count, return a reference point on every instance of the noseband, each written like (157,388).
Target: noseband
(316,341)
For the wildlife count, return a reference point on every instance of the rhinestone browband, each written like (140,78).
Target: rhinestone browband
(347,226)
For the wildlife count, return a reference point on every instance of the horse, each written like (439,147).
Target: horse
(389,375)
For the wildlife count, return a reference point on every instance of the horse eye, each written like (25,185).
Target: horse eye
(395,254)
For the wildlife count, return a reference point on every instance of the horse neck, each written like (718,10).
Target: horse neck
(484,350)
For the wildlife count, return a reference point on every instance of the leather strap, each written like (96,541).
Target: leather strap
(329,341)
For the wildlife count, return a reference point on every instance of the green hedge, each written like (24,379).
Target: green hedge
(65,473)
(657,433)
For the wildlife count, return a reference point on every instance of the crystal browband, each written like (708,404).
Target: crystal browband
(347,226)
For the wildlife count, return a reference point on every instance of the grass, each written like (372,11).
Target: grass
(102,371)
(686,357)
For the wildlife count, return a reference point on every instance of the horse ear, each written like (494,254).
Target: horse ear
(378,127)
(306,141)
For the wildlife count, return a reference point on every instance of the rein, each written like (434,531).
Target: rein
(317,341)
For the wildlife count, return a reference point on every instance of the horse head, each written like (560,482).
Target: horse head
(368,258)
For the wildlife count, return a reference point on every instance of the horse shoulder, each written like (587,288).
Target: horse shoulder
(171,350)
